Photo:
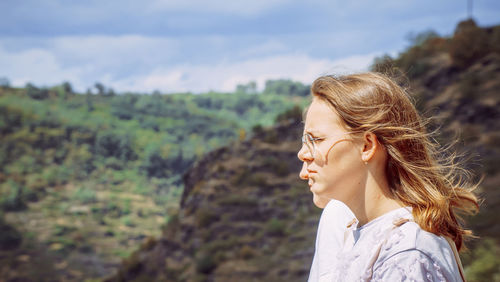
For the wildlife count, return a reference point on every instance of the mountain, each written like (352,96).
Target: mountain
(245,215)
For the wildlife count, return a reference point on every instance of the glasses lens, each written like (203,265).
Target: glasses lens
(308,140)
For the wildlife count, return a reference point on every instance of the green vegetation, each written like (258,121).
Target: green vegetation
(483,263)
(10,238)
(276,227)
(97,173)
(205,263)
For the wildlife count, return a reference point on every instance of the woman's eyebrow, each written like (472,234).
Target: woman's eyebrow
(313,131)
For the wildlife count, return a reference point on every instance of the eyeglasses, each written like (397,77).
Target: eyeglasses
(310,141)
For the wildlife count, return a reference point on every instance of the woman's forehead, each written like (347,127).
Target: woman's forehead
(321,118)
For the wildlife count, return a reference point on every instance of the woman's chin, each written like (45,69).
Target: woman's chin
(320,202)
(316,188)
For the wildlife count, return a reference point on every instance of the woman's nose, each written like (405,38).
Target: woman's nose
(304,154)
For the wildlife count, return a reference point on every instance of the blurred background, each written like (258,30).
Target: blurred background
(157,140)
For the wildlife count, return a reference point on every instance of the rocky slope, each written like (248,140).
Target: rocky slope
(244,216)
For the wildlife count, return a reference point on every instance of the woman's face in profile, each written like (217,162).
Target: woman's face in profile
(335,169)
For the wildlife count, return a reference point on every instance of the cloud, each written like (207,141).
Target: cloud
(355,63)
(37,65)
(83,60)
(226,75)
(144,64)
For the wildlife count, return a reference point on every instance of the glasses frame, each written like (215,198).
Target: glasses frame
(313,140)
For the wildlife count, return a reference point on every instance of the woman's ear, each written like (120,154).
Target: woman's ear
(370,146)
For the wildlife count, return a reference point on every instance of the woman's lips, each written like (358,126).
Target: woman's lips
(310,173)
(311,179)
(310,182)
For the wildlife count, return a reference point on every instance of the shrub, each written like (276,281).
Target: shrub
(205,217)
(36,93)
(60,230)
(112,144)
(495,39)
(161,164)
(11,119)
(275,227)
(276,165)
(225,245)
(469,43)
(294,113)
(56,175)
(149,243)
(123,106)
(237,200)
(85,195)
(271,137)
(127,221)
(257,129)
(485,262)
(132,265)
(286,88)
(12,199)
(258,180)
(156,164)
(470,84)
(247,252)
(205,263)
(10,238)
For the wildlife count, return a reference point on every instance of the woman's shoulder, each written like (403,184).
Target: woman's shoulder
(410,245)
(410,236)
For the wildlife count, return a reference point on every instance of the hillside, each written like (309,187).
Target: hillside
(85,178)
(245,215)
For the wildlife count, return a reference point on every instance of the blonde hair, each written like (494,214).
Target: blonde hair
(419,174)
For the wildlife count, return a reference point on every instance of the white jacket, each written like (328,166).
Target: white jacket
(380,250)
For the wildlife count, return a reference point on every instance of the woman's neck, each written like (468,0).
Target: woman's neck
(375,200)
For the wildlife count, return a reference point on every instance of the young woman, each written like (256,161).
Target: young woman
(365,145)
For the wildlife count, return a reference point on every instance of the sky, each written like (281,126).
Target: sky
(211,45)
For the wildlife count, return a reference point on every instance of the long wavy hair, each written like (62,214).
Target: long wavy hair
(420,174)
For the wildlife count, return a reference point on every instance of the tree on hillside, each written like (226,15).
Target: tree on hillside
(100,88)
(249,88)
(286,87)
(112,144)
(420,38)
(36,93)
(88,100)
(123,106)
(4,82)
(469,43)
(67,88)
